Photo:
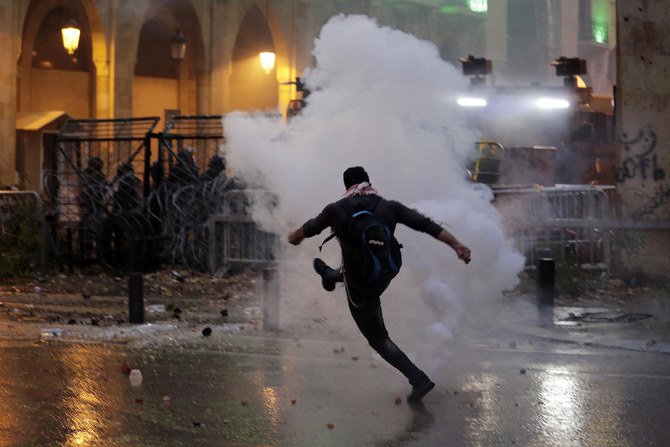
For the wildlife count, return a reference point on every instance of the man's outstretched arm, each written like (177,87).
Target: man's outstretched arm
(296,237)
(314,226)
(461,250)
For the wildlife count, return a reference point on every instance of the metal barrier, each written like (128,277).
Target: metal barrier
(569,221)
(234,237)
(10,201)
(100,169)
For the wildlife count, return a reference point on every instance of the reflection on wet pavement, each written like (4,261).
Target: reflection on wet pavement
(262,391)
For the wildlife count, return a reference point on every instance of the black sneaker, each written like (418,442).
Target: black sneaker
(419,391)
(329,276)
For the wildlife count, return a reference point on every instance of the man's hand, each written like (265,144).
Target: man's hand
(463,253)
(296,237)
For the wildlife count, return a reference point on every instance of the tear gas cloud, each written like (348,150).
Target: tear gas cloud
(384,100)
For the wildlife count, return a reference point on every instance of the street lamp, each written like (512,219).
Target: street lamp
(178,46)
(71,32)
(267,59)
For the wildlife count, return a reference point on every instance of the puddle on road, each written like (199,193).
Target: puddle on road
(575,315)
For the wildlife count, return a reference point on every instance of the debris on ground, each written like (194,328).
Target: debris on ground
(56,298)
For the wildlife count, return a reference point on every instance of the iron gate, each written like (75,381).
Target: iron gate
(100,169)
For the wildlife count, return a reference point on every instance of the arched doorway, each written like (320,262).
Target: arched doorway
(250,87)
(164,85)
(45,66)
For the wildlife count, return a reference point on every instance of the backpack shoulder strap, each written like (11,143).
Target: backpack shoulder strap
(350,209)
(332,235)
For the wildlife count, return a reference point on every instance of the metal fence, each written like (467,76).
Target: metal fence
(234,237)
(100,168)
(107,174)
(569,222)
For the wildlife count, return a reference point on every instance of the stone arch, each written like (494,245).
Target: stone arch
(251,88)
(160,83)
(285,67)
(35,92)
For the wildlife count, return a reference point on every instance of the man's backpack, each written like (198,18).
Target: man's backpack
(371,252)
(375,252)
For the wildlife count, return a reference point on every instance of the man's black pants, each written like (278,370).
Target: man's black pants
(369,319)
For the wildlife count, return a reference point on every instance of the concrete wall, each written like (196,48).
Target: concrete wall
(644,133)
(152,96)
(46,92)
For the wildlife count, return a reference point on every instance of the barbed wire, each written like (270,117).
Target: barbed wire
(177,209)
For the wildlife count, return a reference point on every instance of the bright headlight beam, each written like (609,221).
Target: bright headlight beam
(552,103)
(472,102)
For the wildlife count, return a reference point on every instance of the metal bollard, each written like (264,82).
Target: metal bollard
(270,299)
(135,298)
(546,290)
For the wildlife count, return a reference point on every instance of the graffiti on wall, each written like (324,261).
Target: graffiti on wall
(649,204)
(640,160)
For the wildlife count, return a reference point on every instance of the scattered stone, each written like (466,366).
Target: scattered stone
(177,276)
(167,399)
(126,368)
(253,310)
(398,400)
(198,424)
(330,426)
(224,312)
(522,371)
(354,358)
(293,401)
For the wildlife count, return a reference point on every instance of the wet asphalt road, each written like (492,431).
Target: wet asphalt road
(271,391)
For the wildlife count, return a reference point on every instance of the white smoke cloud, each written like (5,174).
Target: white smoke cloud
(385,100)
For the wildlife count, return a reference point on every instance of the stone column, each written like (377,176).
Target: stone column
(643,114)
(496,34)
(8,73)
(125,52)
(102,90)
(203,89)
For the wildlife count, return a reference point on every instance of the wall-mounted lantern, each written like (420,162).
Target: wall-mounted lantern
(178,46)
(71,32)
(267,59)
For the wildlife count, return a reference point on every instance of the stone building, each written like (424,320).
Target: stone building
(123,66)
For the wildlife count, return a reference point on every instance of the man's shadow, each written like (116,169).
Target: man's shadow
(422,420)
